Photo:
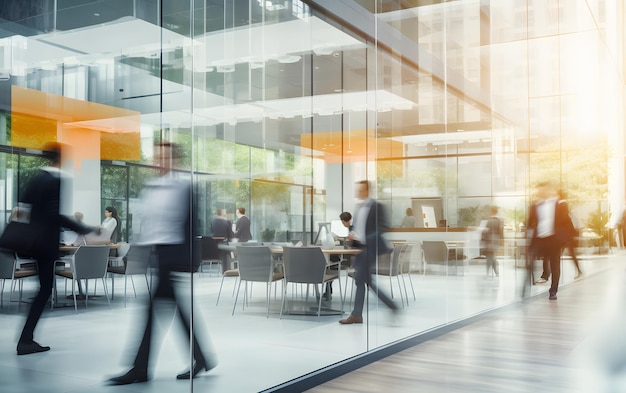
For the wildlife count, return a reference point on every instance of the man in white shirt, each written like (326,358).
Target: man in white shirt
(549,226)
(369,224)
(167,227)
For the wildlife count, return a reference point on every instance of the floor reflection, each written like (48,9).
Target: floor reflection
(86,347)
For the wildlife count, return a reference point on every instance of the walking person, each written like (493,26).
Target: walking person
(170,234)
(369,224)
(43,194)
(569,237)
(549,225)
(491,239)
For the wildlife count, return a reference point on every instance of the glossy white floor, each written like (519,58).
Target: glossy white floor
(254,352)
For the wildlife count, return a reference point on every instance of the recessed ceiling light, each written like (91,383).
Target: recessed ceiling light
(96,14)
(289,59)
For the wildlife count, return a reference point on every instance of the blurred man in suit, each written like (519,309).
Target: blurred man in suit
(221,226)
(491,238)
(242,227)
(369,223)
(43,193)
(170,233)
(550,227)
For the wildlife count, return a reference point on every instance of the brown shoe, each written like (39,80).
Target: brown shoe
(350,320)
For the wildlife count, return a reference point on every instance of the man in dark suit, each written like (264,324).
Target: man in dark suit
(221,227)
(242,227)
(171,236)
(369,224)
(43,194)
(549,226)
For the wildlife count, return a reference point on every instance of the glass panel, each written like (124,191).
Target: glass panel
(114,182)
(447,107)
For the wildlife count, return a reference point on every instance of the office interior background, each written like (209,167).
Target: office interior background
(448,107)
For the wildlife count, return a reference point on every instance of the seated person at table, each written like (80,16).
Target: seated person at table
(221,227)
(78,216)
(409,219)
(111,224)
(346,220)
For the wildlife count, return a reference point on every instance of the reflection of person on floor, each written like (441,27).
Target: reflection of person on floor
(346,220)
(43,194)
(549,226)
(171,235)
(491,238)
(370,222)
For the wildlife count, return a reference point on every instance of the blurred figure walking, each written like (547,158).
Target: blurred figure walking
(370,222)
(549,227)
(491,239)
(43,194)
(166,225)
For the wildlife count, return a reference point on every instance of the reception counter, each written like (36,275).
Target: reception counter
(470,235)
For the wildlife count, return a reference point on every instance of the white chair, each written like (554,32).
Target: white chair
(306,265)
(88,262)
(137,261)
(438,253)
(389,265)
(122,250)
(9,271)
(405,268)
(228,273)
(256,265)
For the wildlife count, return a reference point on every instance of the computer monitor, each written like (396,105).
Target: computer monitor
(338,229)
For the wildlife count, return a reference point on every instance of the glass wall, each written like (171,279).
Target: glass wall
(448,108)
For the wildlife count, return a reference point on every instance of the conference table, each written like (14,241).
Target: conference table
(70,249)
(277,250)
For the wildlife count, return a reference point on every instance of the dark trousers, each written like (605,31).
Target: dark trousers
(549,248)
(492,262)
(570,249)
(164,291)
(364,263)
(45,267)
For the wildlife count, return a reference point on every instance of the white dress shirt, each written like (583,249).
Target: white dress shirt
(360,221)
(546,211)
(163,211)
(108,225)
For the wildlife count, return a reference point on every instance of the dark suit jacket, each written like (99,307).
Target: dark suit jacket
(43,194)
(375,227)
(564,230)
(242,229)
(222,228)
